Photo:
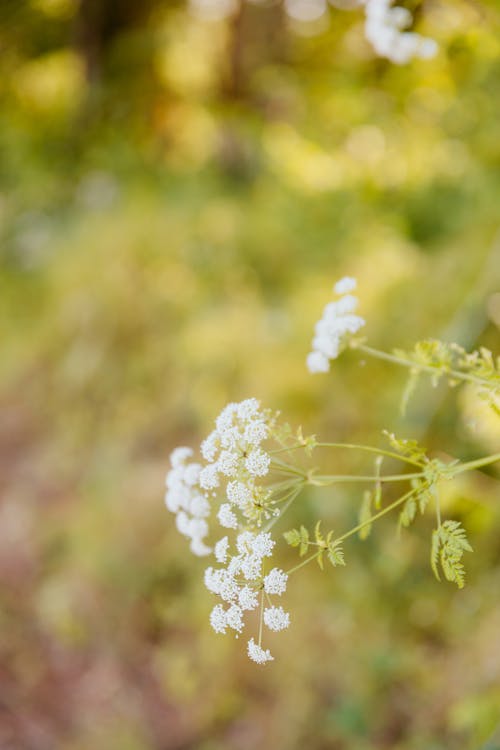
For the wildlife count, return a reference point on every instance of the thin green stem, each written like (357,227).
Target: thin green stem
(376,516)
(289,500)
(287,468)
(304,562)
(478,463)
(353,446)
(456,374)
(355,530)
(370,449)
(261,617)
(325,481)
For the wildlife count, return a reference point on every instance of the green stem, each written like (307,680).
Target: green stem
(324,481)
(375,517)
(478,463)
(357,528)
(457,374)
(304,562)
(282,466)
(261,617)
(289,500)
(353,446)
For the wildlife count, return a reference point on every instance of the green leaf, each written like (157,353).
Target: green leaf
(318,535)
(408,513)
(319,557)
(409,448)
(336,554)
(365,515)
(292,537)
(304,541)
(449,542)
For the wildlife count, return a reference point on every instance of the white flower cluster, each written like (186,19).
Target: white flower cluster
(185,497)
(336,326)
(235,462)
(234,455)
(383,29)
(239,585)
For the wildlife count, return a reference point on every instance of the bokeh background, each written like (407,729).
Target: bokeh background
(179,188)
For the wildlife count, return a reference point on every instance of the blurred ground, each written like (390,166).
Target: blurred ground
(177,196)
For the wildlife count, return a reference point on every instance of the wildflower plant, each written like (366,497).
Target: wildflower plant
(252,467)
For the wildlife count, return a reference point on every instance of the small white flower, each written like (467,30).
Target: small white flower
(199,506)
(239,494)
(256,432)
(383,29)
(209,477)
(220,549)
(251,567)
(345,285)
(248,598)
(210,446)
(226,517)
(257,463)
(199,548)
(225,419)
(191,474)
(263,544)
(317,362)
(257,654)
(218,619)
(336,326)
(275,581)
(212,580)
(248,408)
(228,463)
(179,456)
(234,617)
(276,618)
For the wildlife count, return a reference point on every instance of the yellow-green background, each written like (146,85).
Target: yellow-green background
(176,199)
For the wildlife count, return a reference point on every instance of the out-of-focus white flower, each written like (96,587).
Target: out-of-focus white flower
(185,498)
(226,517)
(383,29)
(335,328)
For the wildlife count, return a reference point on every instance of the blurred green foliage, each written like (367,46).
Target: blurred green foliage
(176,199)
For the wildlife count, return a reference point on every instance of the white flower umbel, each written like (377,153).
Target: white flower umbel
(242,583)
(257,653)
(335,328)
(235,458)
(276,618)
(275,582)
(185,498)
(384,26)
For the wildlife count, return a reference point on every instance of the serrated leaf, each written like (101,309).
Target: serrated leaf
(336,554)
(408,513)
(292,537)
(449,542)
(319,558)
(304,541)
(318,535)
(409,448)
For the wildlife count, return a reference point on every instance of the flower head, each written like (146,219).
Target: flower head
(257,653)
(335,328)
